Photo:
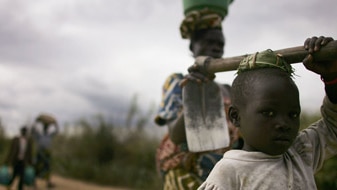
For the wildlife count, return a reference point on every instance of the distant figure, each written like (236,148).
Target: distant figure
(20,156)
(44,146)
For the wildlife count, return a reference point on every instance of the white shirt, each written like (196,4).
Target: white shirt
(295,169)
(22,147)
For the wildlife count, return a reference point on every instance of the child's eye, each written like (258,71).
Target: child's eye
(268,113)
(294,115)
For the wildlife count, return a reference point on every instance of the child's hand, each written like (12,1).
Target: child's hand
(325,69)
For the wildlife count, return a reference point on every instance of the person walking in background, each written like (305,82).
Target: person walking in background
(180,168)
(20,156)
(43,140)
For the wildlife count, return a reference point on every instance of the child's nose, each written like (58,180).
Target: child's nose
(282,127)
(282,124)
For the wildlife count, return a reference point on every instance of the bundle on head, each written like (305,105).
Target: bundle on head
(46,119)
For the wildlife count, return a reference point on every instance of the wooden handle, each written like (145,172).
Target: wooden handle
(291,55)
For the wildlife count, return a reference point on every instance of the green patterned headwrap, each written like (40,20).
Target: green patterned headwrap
(264,59)
(199,19)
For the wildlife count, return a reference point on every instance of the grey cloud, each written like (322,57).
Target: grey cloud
(24,40)
(99,95)
(64,39)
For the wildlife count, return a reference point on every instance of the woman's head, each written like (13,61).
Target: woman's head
(208,42)
(23,130)
(265,108)
(204,29)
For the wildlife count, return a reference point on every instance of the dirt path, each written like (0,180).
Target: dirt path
(66,184)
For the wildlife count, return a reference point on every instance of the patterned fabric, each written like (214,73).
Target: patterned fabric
(264,59)
(171,103)
(179,168)
(206,162)
(180,179)
(169,155)
(199,19)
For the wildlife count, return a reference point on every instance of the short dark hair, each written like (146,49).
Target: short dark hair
(242,86)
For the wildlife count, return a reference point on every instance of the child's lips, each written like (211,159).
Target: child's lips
(283,138)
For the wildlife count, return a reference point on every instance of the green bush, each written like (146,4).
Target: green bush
(4,144)
(326,178)
(95,154)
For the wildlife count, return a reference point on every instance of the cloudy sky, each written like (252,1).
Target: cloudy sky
(78,58)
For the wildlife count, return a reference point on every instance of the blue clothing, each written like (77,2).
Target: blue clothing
(171,103)
(43,155)
(44,140)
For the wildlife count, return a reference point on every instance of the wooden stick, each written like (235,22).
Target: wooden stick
(291,55)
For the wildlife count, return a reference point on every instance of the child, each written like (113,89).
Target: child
(266,108)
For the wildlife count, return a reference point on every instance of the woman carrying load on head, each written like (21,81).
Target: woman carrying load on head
(180,168)
(44,146)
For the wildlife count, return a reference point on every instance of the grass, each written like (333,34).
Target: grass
(96,154)
(102,153)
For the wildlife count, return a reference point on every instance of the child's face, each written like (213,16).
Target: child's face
(269,122)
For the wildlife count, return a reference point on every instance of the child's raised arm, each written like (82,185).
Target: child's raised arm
(327,70)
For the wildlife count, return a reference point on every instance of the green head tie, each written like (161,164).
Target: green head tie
(264,59)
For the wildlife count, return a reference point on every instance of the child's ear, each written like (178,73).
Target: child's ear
(191,47)
(233,114)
